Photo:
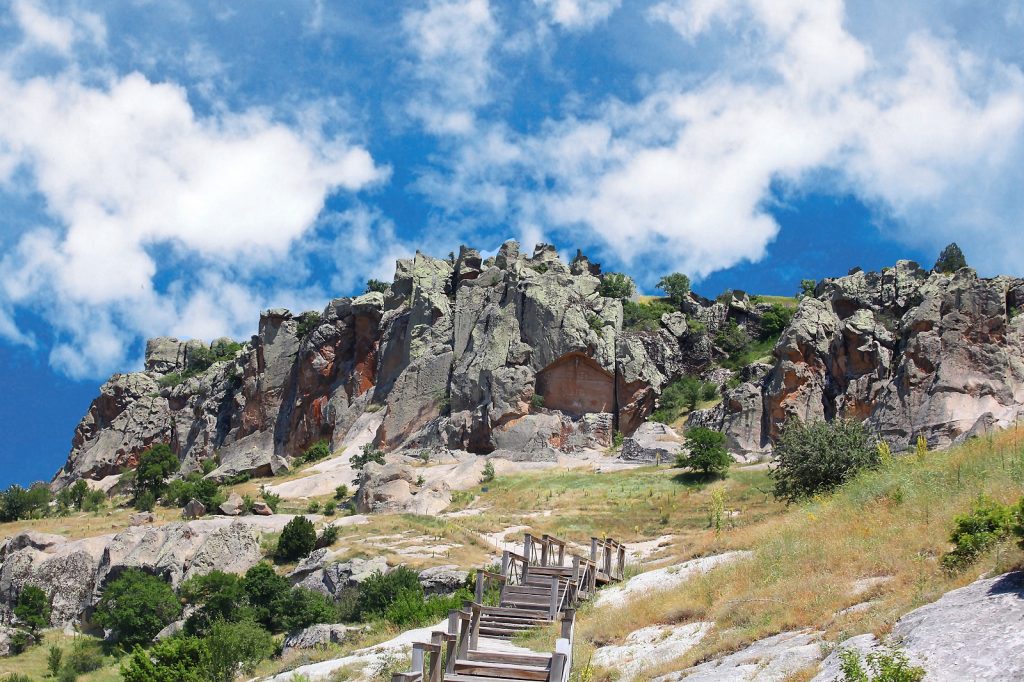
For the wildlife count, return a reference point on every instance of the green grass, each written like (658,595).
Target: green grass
(33,661)
(759,350)
(788,301)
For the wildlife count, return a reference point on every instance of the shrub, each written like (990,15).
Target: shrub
(376,285)
(595,323)
(308,322)
(380,590)
(618,438)
(236,646)
(616,285)
(681,395)
(817,457)
(136,606)
(369,454)
(330,507)
(313,507)
(178,659)
(317,451)
(300,608)
(341,492)
(705,452)
(807,287)
(270,498)
(987,523)
(645,316)
(488,471)
(265,590)
(951,259)
(145,501)
(155,466)
(889,665)
(328,536)
(94,501)
(17,677)
(215,596)
(676,287)
(33,608)
(297,540)
(53,660)
(537,401)
(775,320)
(85,656)
(732,338)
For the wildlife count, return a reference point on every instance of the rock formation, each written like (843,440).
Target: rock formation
(910,352)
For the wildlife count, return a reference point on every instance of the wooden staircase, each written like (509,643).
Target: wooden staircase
(539,587)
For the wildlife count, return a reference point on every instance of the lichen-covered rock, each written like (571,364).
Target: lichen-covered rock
(652,442)
(396,488)
(321,636)
(442,579)
(233,506)
(234,549)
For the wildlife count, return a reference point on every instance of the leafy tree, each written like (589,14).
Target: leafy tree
(194,487)
(369,454)
(820,456)
(216,596)
(233,646)
(680,395)
(380,590)
(297,540)
(807,287)
(33,608)
(77,493)
(951,259)
(136,606)
(155,466)
(317,451)
(376,285)
(676,287)
(18,503)
(705,452)
(617,285)
(178,659)
(988,523)
(265,589)
(308,324)
(300,608)
(775,320)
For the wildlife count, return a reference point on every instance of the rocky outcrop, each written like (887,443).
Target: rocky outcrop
(652,442)
(397,488)
(320,573)
(909,352)
(321,636)
(74,572)
(442,579)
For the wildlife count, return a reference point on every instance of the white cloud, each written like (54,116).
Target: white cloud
(58,33)
(451,40)
(578,14)
(128,169)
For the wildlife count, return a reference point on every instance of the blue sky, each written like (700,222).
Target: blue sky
(170,168)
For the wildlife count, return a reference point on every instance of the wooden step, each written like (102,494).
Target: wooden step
(459,677)
(509,657)
(500,670)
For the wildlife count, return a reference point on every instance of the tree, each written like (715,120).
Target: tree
(235,646)
(300,608)
(380,590)
(136,606)
(33,608)
(178,659)
(807,287)
(951,259)
(676,286)
(820,456)
(265,589)
(705,452)
(297,540)
(775,320)
(369,454)
(617,285)
(216,596)
(376,285)
(155,466)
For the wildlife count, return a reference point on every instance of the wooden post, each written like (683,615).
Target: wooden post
(417,660)
(553,611)
(465,627)
(593,550)
(474,637)
(505,558)
(561,555)
(528,548)
(545,546)
(557,667)
(435,658)
(568,620)
(622,562)
(607,559)
(479,587)
(575,568)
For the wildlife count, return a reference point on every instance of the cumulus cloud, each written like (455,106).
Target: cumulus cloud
(578,14)
(58,33)
(451,41)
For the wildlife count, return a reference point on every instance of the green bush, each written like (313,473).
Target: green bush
(300,608)
(595,323)
(889,665)
(136,606)
(676,287)
(820,456)
(313,507)
(376,285)
(645,316)
(265,590)
(330,508)
(178,659)
(155,466)
(328,537)
(18,503)
(297,540)
(17,677)
(317,451)
(270,498)
(951,259)
(705,452)
(308,322)
(53,660)
(807,287)
(33,608)
(341,492)
(732,338)
(616,285)
(681,395)
(85,656)
(988,523)
(215,596)
(537,401)
(775,320)
(380,590)
(369,454)
(236,646)
(145,501)
(488,471)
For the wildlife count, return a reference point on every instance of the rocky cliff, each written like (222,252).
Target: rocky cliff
(910,352)
(522,354)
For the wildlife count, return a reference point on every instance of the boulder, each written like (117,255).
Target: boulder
(141,518)
(252,455)
(652,442)
(234,549)
(442,579)
(164,355)
(320,636)
(194,510)
(261,508)
(7,636)
(394,488)
(333,578)
(233,506)
(774,658)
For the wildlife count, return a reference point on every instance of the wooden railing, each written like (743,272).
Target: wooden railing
(513,567)
(610,557)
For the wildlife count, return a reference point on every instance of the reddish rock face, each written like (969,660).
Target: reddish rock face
(576,385)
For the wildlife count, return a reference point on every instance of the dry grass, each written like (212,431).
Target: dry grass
(85,524)
(892,523)
(33,661)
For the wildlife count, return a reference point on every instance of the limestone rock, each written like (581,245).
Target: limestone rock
(331,579)
(141,518)
(394,488)
(652,442)
(261,508)
(165,355)
(233,506)
(320,636)
(234,549)
(442,579)
(773,658)
(194,510)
